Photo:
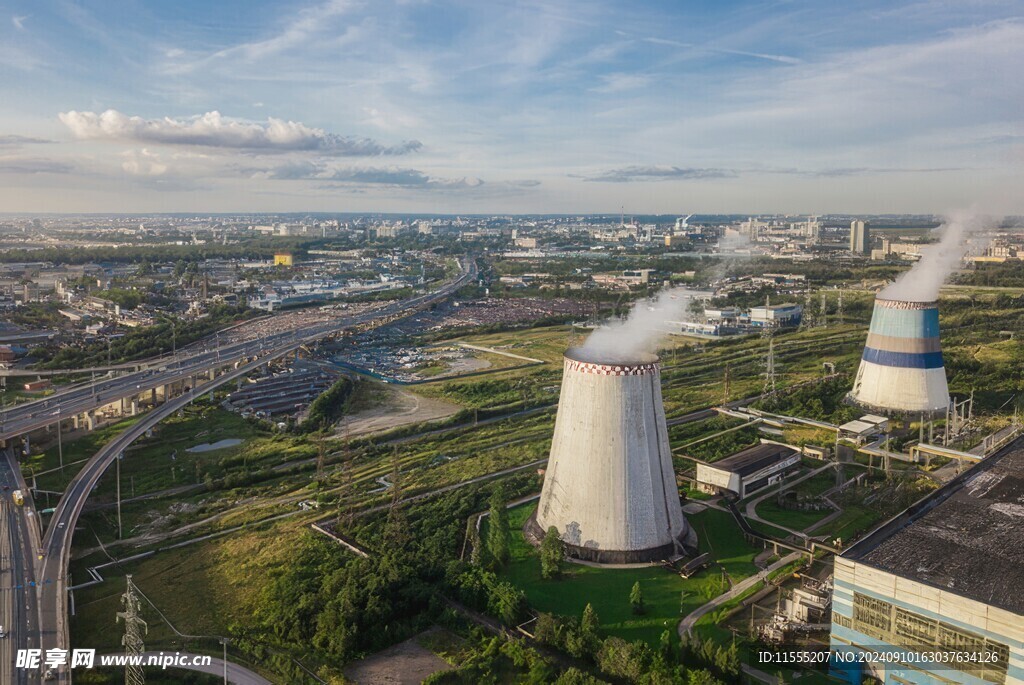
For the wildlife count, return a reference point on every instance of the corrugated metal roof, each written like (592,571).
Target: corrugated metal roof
(966,538)
(753,459)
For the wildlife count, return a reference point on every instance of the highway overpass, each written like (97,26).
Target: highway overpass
(46,618)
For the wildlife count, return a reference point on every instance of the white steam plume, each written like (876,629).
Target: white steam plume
(959,235)
(639,333)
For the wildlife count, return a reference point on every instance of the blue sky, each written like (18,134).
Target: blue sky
(540,106)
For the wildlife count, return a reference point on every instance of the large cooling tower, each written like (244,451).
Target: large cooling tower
(610,488)
(901,369)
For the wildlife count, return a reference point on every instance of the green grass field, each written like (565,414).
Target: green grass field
(668,597)
(769,510)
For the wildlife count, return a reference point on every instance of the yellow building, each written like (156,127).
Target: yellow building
(283,259)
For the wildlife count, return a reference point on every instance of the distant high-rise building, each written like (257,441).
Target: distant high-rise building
(859,238)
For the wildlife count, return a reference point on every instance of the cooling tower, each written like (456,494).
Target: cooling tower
(610,488)
(901,369)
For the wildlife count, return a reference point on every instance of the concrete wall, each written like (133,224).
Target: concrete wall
(991,622)
(902,368)
(609,483)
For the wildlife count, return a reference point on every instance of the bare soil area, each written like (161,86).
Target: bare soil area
(391,407)
(406,663)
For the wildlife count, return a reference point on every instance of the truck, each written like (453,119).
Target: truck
(18,498)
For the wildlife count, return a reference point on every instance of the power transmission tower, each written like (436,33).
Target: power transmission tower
(769,373)
(839,308)
(824,309)
(134,629)
(726,389)
(321,453)
(346,507)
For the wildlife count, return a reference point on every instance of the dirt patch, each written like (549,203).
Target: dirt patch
(392,407)
(406,663)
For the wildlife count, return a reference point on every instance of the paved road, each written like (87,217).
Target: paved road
(686,625)
(238,675)
(56,545)
(19,614)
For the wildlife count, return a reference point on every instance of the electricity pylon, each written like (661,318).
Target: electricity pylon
(134,629)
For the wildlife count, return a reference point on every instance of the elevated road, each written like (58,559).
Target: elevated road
(52,569)
(188,365)
(19,540)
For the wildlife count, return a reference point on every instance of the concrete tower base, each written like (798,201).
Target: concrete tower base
(684,545)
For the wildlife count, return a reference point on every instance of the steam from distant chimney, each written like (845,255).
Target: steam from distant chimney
(959,236)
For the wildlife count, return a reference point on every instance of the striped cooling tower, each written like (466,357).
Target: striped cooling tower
(610,488)
(901,369)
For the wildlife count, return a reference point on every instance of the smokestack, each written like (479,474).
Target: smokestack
(901,369)
(610,488)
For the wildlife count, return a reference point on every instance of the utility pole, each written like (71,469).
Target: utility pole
(320,454)
(60,443)
(118,463)
(225,641)
(134,629)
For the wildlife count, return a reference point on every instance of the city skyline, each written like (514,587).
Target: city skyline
(511,108)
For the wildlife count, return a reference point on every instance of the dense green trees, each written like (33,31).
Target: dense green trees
(140,343)
(329,406)
(498,534)
(552,553)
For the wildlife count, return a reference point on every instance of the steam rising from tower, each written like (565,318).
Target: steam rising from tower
(901,369)
(610,489)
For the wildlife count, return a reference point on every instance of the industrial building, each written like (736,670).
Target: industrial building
(610,489)
(945,576)
(901,369)
(749,470)
(776,315)
(862,429)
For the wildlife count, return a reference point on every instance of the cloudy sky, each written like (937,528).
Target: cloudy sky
(511,106)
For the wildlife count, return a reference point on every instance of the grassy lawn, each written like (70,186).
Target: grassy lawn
(769,510)
(668,597)
(162,460)
(854,520)
(201,589)
(78,449)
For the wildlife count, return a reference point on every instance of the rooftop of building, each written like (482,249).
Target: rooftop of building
(967,537)
(753,459)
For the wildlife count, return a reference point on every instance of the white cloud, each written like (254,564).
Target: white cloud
(143,163)
(658,173)
(782,59)
(24,166)
(19,22)
(214,130)
(310,21)
(619,82)
(370,176)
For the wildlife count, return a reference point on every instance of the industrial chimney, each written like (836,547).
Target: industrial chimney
(901,369)
(610,488)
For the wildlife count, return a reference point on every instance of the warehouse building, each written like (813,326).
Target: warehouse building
(945,576)
(749,470)
(776,315)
